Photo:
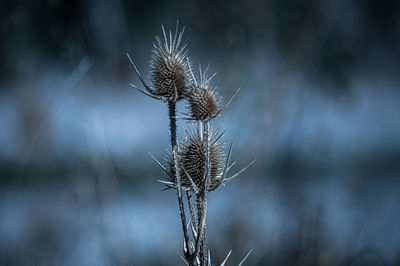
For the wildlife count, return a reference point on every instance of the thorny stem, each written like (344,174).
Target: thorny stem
(174,146)
(201,247)
(191,209)
(203,253)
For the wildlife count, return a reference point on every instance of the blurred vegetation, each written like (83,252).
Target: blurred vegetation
(318,110)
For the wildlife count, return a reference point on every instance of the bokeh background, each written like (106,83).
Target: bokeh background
(319,110)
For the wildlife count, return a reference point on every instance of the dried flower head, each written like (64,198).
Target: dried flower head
(169,67)
(193,161)
(203,102)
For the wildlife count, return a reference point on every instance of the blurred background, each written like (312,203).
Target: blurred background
(319,110)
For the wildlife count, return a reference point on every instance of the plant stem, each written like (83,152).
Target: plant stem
(192,215)
(174,146)
(207,183)
(201,246)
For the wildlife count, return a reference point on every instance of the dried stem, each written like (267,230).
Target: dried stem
(174,146)
(192,215)
(201,245)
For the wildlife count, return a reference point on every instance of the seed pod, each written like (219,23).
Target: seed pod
(169,67)
(193,161)
(203,103)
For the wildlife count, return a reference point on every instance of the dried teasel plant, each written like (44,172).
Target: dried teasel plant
(199,165)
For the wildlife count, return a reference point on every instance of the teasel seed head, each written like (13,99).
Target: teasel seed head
(169,67)
(203,103)
(193,161)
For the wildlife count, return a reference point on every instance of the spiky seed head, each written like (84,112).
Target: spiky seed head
(169,67)
(203,103)
(193,160)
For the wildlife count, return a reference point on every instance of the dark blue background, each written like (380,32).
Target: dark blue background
(318,110)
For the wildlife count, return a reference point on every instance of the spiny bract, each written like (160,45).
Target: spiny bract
(169,67)
(193,161)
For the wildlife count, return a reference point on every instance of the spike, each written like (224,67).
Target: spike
(194,186)
(244,259)
(193,231)
(186,263)
(227,161)
(228,103)
(140,77)
(167,183)
(227,257)
(147,93)
(161,166)
(226,180)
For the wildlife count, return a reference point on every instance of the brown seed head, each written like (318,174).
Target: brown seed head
(169,67)
(203,103)
(193,161)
